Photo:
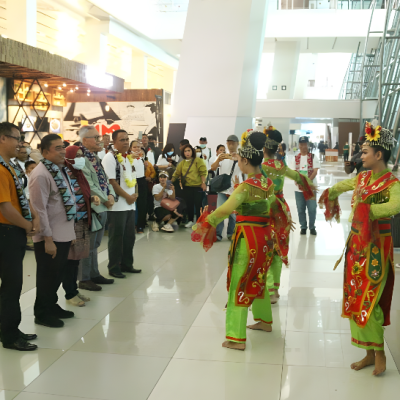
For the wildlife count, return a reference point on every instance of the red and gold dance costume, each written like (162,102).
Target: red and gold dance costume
(277,171)
(250,253)
(368,272)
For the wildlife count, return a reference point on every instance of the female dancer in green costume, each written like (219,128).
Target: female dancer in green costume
(251,247)
(368,271)
(277,171)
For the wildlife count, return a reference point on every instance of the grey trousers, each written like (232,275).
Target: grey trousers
(89,267)
(121,239)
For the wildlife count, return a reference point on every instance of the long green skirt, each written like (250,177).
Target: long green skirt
(274,274)
(371,337)
(236,317)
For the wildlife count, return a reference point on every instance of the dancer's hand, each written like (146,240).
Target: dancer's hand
(292,226)
(203,210)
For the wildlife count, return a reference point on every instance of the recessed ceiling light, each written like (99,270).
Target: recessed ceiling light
(64,84)
(76,88)
(88,90)
(72,90)
(59,88)
(88,94)
(46,85)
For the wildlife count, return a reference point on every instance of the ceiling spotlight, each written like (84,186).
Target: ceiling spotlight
(76,88)
(72,90)
(107,107)
(46,85)
(64,84)
(59,88)
(88,94)
(88,90)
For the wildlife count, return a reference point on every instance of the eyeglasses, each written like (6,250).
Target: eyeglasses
(97,138)
(18,139)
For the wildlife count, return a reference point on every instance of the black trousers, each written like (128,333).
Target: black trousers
(12,253)
(193,196)
(69,281)
(49,275)
(141,202)
(121,239)
(150,202)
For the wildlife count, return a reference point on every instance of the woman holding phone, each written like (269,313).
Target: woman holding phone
(164,190)
(191,173)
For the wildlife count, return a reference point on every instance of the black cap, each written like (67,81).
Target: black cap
(303,139)
(203,139)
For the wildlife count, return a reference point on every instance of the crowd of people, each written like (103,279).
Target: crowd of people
(61,205)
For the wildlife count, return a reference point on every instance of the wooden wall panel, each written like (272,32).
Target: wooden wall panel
(126,95)
(344,129)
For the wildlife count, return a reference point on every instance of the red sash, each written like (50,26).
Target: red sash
(310,163)
(275,164)
(366,263)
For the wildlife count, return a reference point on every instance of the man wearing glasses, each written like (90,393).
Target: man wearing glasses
(89,275)
(17,219)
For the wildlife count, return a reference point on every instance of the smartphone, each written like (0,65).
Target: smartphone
(169,184)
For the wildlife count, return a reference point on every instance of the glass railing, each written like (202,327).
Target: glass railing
(329,4)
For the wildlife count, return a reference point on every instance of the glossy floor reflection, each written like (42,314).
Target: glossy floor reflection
(158,335)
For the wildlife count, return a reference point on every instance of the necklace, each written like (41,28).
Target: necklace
(129,180)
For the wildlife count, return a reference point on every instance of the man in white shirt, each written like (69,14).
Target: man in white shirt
(308,165)
(106,142)
(121,216)
(227,164)
(149,150)
(205,152)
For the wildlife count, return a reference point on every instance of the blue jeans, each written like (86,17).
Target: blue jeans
(231,220)
(302,204)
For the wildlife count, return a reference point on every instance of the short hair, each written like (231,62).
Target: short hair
(116,133)
(219,146)
(188,146)
(29,163)
(145,134)
(6,128)
(78,144)
(183,142)
(83,130)
(45,144)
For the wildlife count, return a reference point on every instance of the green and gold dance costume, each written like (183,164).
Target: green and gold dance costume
(250,254)
(368,273)
(277,171)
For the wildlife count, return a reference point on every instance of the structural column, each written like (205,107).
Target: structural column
(21,21)
(216,84)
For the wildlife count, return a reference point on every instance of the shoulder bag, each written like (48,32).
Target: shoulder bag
(183,178)
(222,182)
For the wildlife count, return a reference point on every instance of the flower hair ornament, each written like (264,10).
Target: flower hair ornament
(270,143)
(375,135)
(247,150)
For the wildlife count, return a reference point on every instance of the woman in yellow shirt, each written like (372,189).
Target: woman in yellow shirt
(191,173)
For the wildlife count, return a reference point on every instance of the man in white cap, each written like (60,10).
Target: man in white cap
(308,165)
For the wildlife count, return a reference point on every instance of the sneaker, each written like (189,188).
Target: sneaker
(189,224)
(155,227)
(174,224)
(167,228)
(83,297)
(76,301)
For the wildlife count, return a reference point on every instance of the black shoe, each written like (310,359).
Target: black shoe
(117,274)
(303,232)
(101,280)
(313,232)
(89,285)
(131,270)
(21,345)
(27,336)
(50,322)
(59,313)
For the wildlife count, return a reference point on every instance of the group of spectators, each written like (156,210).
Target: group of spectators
(64,199)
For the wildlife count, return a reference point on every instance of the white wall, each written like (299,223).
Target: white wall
(308,108)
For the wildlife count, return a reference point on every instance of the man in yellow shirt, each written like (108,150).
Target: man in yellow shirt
(17,219)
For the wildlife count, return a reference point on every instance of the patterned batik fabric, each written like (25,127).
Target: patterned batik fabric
(68,199)
(23,201)
(81,208)
(101,175)
(310,163)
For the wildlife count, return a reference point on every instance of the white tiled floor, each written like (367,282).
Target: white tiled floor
(158,335)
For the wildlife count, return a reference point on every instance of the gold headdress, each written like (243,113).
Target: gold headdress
(377,136)
(246,148)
